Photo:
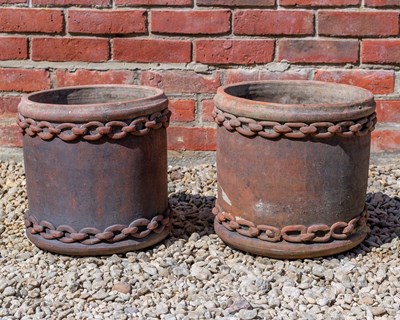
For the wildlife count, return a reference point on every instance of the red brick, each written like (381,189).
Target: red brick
(240,75)
(318,51)
(152,50)
(207,107)
(385,140)
(26,80)
(31,20)
(234,51)
(12,1)
(13,48)
(182,81)
(61,3)
(107,21)
(70,49)
(182,110)
(236,3)
(319,3)
(388,111)
(271,22)
(348,23)
(153,2)
(381,51)
(185,138)
(9,133)
(82,77)
(382,3)
(9,105)
(190,22)
(378,82)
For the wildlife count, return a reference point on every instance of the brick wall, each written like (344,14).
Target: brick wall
(191,47)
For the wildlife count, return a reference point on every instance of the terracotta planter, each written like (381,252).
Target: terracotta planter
(96,168)
(292,160)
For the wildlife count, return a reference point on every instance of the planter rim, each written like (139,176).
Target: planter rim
(359,105)
(150,101)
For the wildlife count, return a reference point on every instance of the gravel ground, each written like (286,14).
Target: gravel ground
(192,274)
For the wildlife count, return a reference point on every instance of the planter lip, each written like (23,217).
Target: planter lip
(154,100)
(362,105)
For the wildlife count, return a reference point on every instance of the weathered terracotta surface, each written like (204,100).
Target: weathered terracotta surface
(91,188)
(308,172)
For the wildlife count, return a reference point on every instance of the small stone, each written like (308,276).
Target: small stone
(23,292)
(194,237)
(131,310)
(319,271)
(200,272)
(209,305)
(310,297)
(151,270)
(98,284)
(367,300)
(322,301)
(164,272)
(100,295)
(64,314)
(161,308)
(84,296)
(181,307)
(239,304)
(176,175)
(378,311)
(344,279)
(122,287)
(291,292)
(180,271)
(34,293)
(274,302)
(246,314)
(348,298)
(23,256)
(32,283)
(9,291)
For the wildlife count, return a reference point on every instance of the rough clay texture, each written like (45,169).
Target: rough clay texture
(193,274)
(191,47)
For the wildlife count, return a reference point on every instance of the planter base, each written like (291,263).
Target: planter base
(287,250)
(100,249)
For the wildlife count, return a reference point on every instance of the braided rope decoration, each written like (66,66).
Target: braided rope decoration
(137,229)
(94,130)
(320,233)
(296,130)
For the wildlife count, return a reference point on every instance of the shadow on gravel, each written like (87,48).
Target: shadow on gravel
(191,213)
(383,221)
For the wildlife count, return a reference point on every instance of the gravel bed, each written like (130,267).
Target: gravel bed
(192,274)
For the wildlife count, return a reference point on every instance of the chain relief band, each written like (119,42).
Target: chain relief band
(94,130)
(296,130)
(319,233)
(137,229)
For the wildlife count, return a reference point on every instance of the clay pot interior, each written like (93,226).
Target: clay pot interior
(298,93)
